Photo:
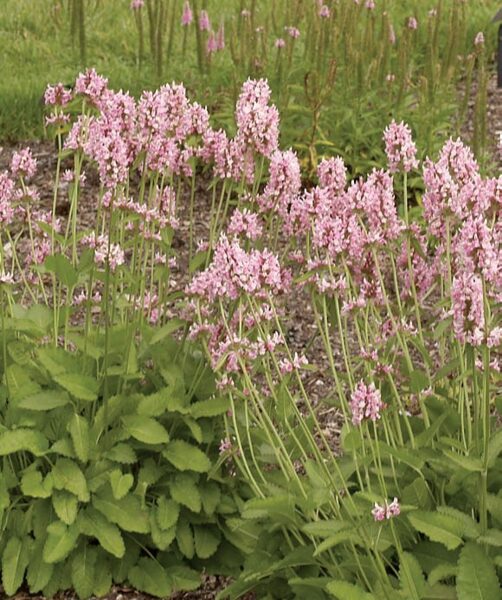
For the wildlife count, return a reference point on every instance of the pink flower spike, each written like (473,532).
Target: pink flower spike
(187,16)
(365,403)
(279,43)
(204,23)
(324,12)
(220,37)
(412,23)
(23,164)
(137,4)
(212,44)
(400,148)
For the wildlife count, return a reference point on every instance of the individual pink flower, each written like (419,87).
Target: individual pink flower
(284,184)
(324,11)
(212,44)
(246,223)
(332,174)
(412,23)
(204,23)
(388,511)
(23,164)
(57,95)
(400,148)
(365,403)
(468,308)
(279,43)
(370,4)
(220,37)
(187,16)
(293,32)
(137,4)
(479,40)
(92,86)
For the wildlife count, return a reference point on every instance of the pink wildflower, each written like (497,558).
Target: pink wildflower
(23,164)
(246,223)
(137,4)
(187,16)
(204,23)
(365,403)
(400,148)
(212,44)
(388,511)
(412,23)
(220,37)
(57,95)
(468,311)
(280,43)
(293,32)
(479,40)
(324,11)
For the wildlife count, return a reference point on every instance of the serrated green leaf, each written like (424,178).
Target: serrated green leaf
(94,524)
(476,579)
(212,407)
(19,384)
(122,453)
(166,512)
(186,457)
(78,428)
(184,538)
(66,475)
(14,562)
(65,506)
(344,590)
(83,569)
(61,540)
(494,447)
(492,537)
(185,492)
(121,483)
(145,429)
(127,512)
(210,493)
(150,577)
(437,527)
(183,578)
(82,387)
(162,538)
(39,572)
(45,400)
(411,577)
(170,327)
(33,484)
(207,541)
(346,535)
(63,269)
(442,571)
(102,576)
(15,440)
(155,404)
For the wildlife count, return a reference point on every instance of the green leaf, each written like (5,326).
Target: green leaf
(206,541)
(166,330)
(67,475)
(160,537)
(45,400)
(494,447)
(19,384)
(150,577)
(122,453)
(102,576)
(411,577)
(14,562)
(419,381)
(78,428)
(437,527)
(61,540)
(184,491)
(493,537)
(166,513)
(121,483)
(210,408)
(186,457)
(211,495)
(346,535)
(145,429)
(442,571)
(92,523)
(476,579)
(63,269)
(82,387)
(469,463)
(83,569)
(39,572)
(184,537)
(344,590)
(65,506)
(15,440)
(127,512)
(32,484)
(183,578)
(156,404)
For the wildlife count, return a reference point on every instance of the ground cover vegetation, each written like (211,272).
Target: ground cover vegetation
(157,420)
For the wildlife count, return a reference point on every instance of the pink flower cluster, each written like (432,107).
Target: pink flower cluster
(365,403)
(400,148)
(388,511)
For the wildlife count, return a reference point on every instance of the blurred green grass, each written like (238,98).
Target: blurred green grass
(36,49)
